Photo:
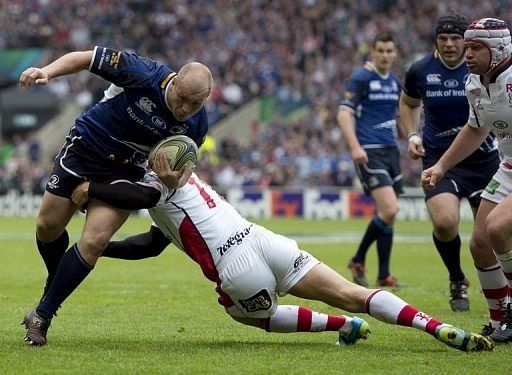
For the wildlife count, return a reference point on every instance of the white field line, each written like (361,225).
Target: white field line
(328,238)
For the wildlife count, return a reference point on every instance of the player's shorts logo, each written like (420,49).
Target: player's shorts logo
(53,182)
(299,262)
(500,124)
(492,186)
(260,301)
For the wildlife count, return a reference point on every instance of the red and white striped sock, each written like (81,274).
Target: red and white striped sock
(388,308)
(496,291)
(288,318)
(505,261)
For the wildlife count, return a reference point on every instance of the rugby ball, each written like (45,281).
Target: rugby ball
(179,150)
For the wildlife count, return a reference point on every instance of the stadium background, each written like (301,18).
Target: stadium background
(279,70)
(275,149)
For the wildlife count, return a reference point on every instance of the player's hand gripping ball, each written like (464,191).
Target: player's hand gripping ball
(180,150)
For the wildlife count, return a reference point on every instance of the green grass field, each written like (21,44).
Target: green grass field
(160,315)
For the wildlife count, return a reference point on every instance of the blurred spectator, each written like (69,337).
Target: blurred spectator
(299,51)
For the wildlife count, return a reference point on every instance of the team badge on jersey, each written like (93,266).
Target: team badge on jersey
(260,301)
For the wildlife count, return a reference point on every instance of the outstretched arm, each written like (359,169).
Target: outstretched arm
(70,63)
(464,144)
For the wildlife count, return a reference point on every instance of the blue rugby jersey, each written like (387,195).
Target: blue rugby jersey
(373,98)
(446,108)
(133,116)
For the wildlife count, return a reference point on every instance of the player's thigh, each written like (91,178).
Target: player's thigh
(444,211)
(55,212)
(322,283)
(101,222)
(250,284)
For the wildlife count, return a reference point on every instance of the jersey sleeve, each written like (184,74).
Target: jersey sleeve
(354,92)
(474,121)
(410,84)
(124,69)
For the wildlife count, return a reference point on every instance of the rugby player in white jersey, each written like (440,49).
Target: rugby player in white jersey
(489,92)
(252,265)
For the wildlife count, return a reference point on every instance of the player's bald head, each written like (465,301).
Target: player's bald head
(196,79)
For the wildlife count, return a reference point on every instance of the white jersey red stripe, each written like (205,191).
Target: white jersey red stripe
(203,225)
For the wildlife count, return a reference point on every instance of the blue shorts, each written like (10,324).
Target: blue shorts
(77,162)
(467,179)
(382,169)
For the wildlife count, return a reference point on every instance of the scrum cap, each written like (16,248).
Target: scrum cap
(452,23)
(493,34)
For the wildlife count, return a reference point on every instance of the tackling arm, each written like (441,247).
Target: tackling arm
(125,195)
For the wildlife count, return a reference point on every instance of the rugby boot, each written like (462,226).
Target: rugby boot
(36,327)
(487,330)
(388,282)
(459,295)
(359,330)
(358,275)
(503,333)
(462,340)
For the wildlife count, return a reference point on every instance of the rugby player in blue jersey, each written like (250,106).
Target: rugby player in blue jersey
(145,103)
(367,117)
(437,80)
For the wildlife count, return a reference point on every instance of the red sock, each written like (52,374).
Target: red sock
(289,318)
(388,308)
(496,291)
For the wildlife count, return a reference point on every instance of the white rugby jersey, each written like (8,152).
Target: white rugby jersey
(493,109)
(199,221)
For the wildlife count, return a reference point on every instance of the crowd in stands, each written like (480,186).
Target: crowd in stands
(297,51)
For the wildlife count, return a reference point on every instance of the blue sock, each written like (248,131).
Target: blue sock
(450,254)
(373,231)
(72,270)
(384,243)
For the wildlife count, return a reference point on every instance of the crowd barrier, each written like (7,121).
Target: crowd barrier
(266,203)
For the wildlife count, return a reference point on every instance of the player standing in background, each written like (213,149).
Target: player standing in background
(438,81)
(367,117)
(252,265)
(489,92)
(146,102)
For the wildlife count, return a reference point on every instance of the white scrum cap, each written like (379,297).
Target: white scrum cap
(494,34)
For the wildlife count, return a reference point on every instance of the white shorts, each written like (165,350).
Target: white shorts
(265,265)
(500,185)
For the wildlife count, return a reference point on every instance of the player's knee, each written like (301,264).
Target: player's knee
(388,215)
(478,243)
(94,243)
(48,230)
(445,227)
(497,231)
